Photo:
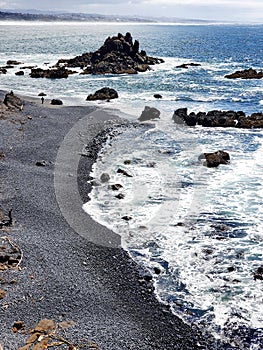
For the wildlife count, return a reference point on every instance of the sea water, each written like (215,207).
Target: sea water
(197,230)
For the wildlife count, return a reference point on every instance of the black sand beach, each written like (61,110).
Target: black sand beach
(64,275)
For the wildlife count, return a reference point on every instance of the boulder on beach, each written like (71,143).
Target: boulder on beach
(56,102)
(105,93)
(245,74)
(118,55)
(218,118)
(149,113)
(212,160)
(12,101)
(158,96)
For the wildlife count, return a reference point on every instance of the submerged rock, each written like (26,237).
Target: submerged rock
(186,65)
(245,74)
(149,113)
(214,159)
(105,93)
(118,55)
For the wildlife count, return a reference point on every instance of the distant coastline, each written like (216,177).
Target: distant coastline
(8,15)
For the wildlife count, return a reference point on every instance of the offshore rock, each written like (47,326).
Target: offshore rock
(149,113)
(103,94)
(118,55)
(56,73)
(217,118)
(214,159)
(187,65)
(245,74)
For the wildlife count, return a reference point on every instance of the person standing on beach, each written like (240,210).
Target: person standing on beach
(42,99)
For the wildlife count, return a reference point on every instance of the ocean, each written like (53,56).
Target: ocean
(198,230)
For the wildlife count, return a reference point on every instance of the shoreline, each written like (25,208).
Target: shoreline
(63,275)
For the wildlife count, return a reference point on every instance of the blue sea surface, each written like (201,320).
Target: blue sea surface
(198,230)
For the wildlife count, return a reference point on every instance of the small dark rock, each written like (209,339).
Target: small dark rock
(12,63)
(126,218)
(41,163)
(127,162)
(42,94)
(149,113)
(120,196)
(258,274)
(123,172)
(56,102)
(116,187)
(158,96)
(157,270)
(215,159)
(186,65)
(20,73)
(231,269)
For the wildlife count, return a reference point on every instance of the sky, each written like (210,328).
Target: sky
(222,10)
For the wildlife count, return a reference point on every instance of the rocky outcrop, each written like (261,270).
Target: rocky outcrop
(149,113)
(213,160)
(56,73)
(20,72)
(12,101)
(118,55)
(245,74)
(217,118)
(103,94)
(187,65)
(12,63)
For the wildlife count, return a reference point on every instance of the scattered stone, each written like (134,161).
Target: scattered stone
(187,65)
(103,94)
(3,70)
(149,113)
(20,73)
(105,177)
(118,55)
(231,269)
(123,172)
(158,96)
(214,159)
(13,63)
(18,326)
(157,270)
(41,163)
(7,222)
(56,102)
(42,94)
(245,74)
(126,218)
(127,162)
(218,118)
(116,187)
(258,274)
(120,196)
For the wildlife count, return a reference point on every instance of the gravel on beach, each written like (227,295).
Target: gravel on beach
(66,272)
